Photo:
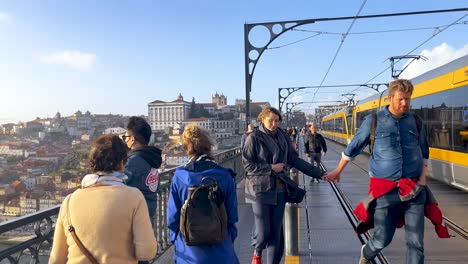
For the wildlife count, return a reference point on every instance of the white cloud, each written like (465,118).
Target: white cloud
(4,18)
(296,98)
(436,57)
(74,59)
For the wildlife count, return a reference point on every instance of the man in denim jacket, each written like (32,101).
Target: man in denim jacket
(400,151)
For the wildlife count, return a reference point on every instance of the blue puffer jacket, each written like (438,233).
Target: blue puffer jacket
(189,176)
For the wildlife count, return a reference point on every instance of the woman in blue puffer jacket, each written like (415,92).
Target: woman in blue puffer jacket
(198,144)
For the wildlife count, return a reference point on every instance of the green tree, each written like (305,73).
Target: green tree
(193,108)
(254,110)
(197,110)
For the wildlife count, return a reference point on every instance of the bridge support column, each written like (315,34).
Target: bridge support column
(291,224)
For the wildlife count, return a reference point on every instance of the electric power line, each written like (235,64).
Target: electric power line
(339,48)
(377,31)
(300,40)
(424,42)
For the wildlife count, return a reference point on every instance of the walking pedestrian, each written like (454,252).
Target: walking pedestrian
(314,145)
(267,154)
(397,170)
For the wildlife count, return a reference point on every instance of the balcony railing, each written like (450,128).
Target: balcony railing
(32,234)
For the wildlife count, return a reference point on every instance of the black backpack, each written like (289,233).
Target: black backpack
(203,218)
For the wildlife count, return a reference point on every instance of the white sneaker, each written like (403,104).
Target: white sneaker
(362,259)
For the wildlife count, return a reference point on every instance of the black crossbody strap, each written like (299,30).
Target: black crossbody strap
(71,229)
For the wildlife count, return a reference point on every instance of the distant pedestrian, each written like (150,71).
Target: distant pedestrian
(267,155)
(314,146)
(197,143)
(397,167)
(109,219)
(143,162)
(292,137)
(250,128)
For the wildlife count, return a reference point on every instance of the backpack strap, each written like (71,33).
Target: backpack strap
(372,132)
(418,123)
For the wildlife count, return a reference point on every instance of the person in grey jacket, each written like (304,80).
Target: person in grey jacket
(268,153)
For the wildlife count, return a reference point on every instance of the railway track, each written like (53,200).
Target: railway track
(348,209)
(450,224)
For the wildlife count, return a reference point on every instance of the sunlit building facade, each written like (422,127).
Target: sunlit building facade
(167,114)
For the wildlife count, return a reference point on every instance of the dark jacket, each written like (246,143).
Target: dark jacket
(191,175)
(260,151)
(314,143)
(244,136)
(142,171)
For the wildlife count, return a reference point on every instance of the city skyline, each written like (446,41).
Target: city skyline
(107,57)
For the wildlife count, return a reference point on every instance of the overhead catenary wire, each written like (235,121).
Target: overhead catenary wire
(424,42)
(377,31)
(339,48)
(294,42)
(438,31)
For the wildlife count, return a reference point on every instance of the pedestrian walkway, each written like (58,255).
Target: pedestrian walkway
(453,203)
(325,234)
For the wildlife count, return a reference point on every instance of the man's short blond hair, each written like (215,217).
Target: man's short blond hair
(402,85)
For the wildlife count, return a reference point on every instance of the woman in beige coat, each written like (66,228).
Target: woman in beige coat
(110,219)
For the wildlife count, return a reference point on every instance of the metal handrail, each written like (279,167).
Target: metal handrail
(40,226)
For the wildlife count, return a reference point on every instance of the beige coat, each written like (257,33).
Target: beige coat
(112,222)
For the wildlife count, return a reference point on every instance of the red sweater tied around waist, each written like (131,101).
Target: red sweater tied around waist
(408,189)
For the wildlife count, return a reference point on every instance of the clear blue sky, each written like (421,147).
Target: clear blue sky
(117,56)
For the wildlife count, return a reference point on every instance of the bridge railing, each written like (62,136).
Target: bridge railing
(28,239)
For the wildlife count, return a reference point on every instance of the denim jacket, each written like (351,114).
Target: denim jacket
(399,150)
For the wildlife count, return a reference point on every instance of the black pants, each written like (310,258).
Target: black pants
(268,232)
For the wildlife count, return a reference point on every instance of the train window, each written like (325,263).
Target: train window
(460,119)
(340,125)
(360,117)
(445,117)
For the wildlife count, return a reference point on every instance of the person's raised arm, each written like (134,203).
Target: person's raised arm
(357,145)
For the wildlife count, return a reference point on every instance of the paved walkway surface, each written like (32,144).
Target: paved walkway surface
(325,234)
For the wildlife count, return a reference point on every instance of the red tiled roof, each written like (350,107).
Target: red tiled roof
(16,183)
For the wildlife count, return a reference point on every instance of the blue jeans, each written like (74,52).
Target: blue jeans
(388,208)
(268,232)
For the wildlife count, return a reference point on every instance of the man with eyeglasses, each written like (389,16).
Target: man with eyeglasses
(143,162)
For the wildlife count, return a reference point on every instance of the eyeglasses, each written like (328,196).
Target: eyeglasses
(124,137)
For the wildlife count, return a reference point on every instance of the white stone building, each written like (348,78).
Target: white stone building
(167,114)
